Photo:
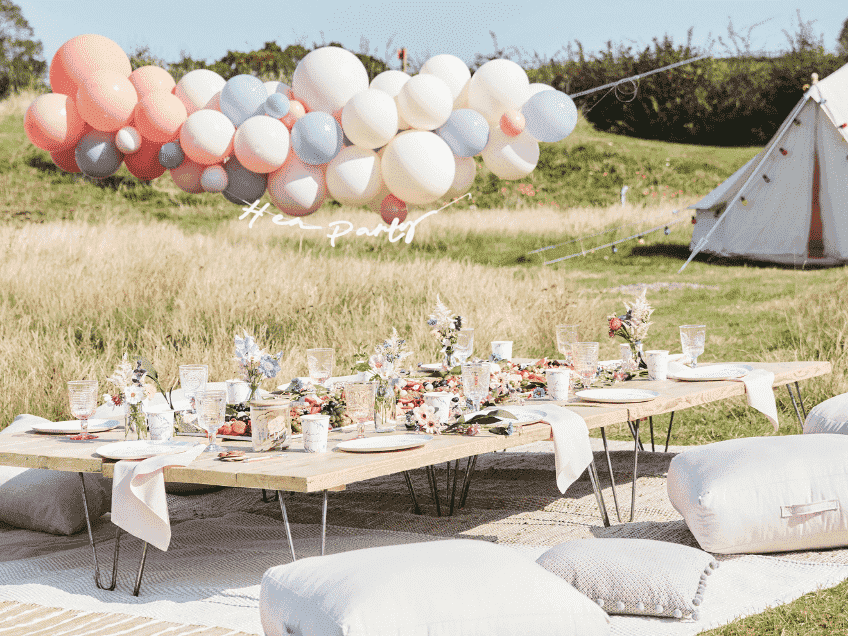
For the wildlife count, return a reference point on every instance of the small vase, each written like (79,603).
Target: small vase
(640,359)
(385,407)
(135,424)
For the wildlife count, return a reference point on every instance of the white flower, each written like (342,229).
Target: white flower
(135,393)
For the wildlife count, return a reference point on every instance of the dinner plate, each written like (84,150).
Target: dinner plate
(384,443)
(712,372)
(71,427)
(141,449)
(432,368)
(617,396)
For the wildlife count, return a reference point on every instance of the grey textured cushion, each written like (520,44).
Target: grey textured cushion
(634,576)
(48,500)
(831,416)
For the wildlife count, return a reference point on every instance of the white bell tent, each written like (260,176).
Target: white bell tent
(789,204)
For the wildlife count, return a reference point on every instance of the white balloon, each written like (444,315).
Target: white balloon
(466,170)
(425,102)
(498,86)
(128,140)
(462,100)
(391,82)
(297,188)
(206,137)
(353,176)
(261,143)
(327,78)
(214,179)
(197,87)
(369,119)
(510,158)
(451,70)
(418,166)
(278,87)
(537,87)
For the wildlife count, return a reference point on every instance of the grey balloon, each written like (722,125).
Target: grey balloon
(171,155)
(97,156)
(244,186)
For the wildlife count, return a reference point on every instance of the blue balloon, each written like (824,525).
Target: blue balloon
(316,138)
(96,154)
(277,105)
(550,116)
(243,96)
(466,132)
(171,155)
(243,187)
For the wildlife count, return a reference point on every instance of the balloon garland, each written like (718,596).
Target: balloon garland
(400,140)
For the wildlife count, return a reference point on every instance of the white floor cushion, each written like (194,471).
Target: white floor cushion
(459,587)
(764,494)
(831,416)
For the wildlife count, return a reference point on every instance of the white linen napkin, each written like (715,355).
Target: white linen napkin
(139,505)
(758,389)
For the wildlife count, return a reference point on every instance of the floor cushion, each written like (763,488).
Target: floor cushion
(764,494)
(458,587)
(48,500)
(831,416)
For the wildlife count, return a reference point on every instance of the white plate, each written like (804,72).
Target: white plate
(73,426)
(712,372)
(432,368)
(523,414)
(617,396)
(384,443)
(142,449)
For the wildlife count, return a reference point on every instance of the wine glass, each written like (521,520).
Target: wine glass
(566,336)
(211,406)
(475,382)
(464,346)
(320,363)
(586,361)
(359,404)
(692,339)
(82,395)
(193,379)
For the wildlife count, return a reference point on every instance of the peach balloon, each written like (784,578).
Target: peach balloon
(297,188)
(66,160)
(106,101)
(159,115)
(512,123)
(206,137)
(147,79)
(197,87)
(80,57)
(52,122)
(296,111)
(144,164)
(187,176)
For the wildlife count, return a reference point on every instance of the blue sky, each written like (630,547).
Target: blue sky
(208,29)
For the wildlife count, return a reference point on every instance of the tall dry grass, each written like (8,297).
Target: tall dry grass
(75,297)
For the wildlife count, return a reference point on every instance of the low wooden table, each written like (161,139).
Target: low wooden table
(297,471)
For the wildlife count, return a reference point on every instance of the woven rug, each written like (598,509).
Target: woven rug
(223,542)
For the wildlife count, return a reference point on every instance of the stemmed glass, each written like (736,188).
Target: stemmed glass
(359,404)
(320,363)
(464,346)
(211,406)
(83,398)
(692,339)
(475,382)
(566,336)
(192,380)
(586,361)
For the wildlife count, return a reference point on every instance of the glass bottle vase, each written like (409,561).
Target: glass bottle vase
(135,422)
(385,407)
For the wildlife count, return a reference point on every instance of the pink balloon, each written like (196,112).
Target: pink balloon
(512,123)
(66,160)
(106,101)
(52,122)
(393,208)
(144,164)
(296,111)
(297,188)
(80,57)
(187,176)
(147,79)
(159,115)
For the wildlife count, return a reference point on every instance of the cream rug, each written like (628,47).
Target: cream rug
(224,541)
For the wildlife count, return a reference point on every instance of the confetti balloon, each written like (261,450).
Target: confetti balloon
(243,186)
(52,122)
(197,88)
(417,166)
(97,156)
(106,100)
(316,138)
(353,176)
(297,188)
(207,137)
(466,132)
(243,96)
(326,78)
(81,57)
(144,164)
(551,116)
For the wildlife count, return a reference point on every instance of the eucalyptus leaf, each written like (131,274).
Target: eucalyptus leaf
(147,365)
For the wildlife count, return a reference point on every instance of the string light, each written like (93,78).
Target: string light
(743,200)
(766,178)
(797,121)
(784,151)
(843,126)
(667,231)
(615,249)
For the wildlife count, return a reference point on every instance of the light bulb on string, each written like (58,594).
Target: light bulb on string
(784,151)
(667,231)
(614,249)
(743,200)
(766,178)
(797,121)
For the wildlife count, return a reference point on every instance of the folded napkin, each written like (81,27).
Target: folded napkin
(139,505)
(758,389)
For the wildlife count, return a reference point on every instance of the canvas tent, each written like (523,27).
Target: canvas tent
(789,204)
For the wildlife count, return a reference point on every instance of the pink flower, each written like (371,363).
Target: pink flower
(425,416)
(615,323)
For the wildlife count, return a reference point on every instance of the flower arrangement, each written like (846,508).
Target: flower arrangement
(634,324)
(129,388)
(445,326)
(254,363)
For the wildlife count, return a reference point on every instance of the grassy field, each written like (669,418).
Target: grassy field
(90,271)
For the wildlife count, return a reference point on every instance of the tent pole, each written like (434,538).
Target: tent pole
(787,122)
